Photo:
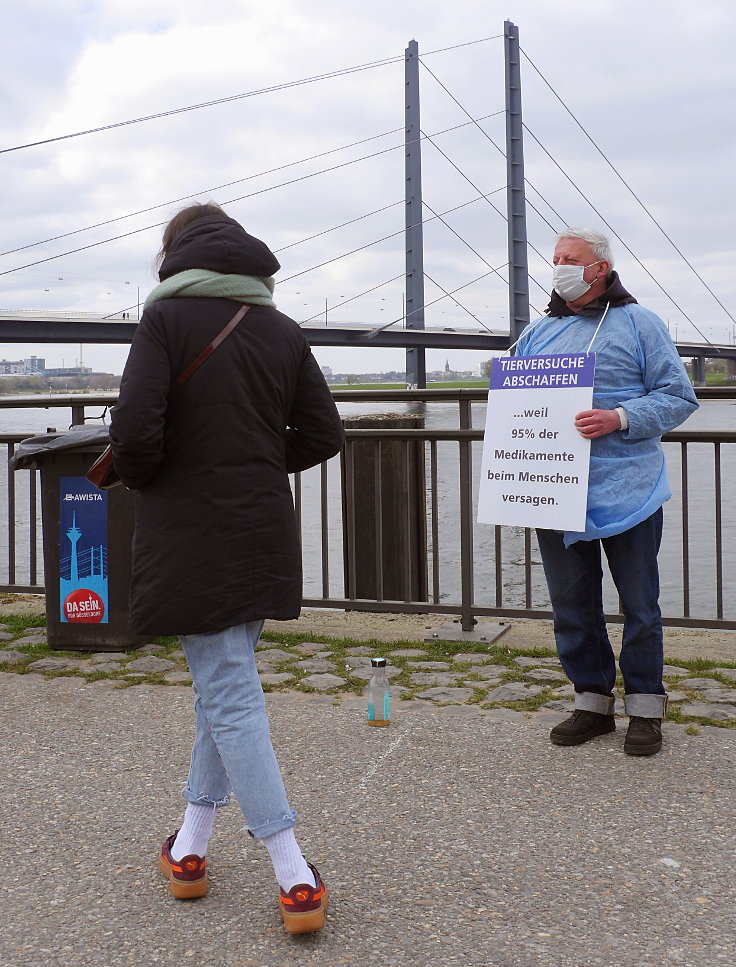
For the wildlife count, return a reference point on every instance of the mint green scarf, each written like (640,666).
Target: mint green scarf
(201,283)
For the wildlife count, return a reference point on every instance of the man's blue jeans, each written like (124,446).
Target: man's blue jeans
(232,746)
(575,581)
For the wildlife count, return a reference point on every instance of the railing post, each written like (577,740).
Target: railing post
(684,499)
(324,530)
(77,414)
(467,591)
(435,523)
(11,517)
(719,529)
(384,517)
(33,528)
(378,517)
(699,363)
(348,497)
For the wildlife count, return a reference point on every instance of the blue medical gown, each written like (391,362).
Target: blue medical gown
(638,368)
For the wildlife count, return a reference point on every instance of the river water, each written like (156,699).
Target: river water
(712,415)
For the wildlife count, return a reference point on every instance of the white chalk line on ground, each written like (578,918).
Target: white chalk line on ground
(363,784)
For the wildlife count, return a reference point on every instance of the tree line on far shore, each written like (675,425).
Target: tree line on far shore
(14,385)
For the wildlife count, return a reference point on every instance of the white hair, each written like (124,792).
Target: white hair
(599,243)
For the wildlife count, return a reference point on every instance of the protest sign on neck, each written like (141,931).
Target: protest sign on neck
(534,471)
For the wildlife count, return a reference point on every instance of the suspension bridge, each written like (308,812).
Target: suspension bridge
(478,269)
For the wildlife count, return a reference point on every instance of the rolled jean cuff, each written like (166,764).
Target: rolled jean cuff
(645,706)
(273,826)
(594,702)
(203,800)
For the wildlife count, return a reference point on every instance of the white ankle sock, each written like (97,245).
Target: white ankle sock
(195,831)
(289,865)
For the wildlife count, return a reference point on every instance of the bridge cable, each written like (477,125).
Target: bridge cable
(458,303)
(206,191)
(237,97)
(196,107)
(309,239)
(339,305)
(334,228)
(230,201)
(462,173)
(631,190)
(498,148)
(383,238)
(678,307)
(484,260)
(613,230)
(375,332)
(361,248)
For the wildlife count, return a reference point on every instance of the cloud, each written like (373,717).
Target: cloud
(633,76)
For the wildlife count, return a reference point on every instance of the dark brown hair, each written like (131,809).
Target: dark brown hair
(180,221)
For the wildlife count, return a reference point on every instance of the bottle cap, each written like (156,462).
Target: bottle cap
(378,662)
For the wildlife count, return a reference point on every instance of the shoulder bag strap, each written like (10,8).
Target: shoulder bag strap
(220,337)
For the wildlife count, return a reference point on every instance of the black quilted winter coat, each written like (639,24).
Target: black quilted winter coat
(216,541)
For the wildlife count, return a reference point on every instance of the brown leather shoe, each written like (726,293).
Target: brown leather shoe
(581,727)
(644,736)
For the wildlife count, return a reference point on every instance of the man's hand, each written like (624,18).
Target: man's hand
(594,423)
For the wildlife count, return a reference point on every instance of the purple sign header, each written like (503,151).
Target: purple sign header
(543,372)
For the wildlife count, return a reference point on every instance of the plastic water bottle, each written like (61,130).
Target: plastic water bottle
(379,698)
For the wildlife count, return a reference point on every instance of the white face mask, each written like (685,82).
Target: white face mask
(568,281)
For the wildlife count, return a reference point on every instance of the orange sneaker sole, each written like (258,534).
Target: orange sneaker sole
(308,922)
(184,889)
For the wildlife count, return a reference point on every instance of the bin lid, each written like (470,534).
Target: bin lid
(30,453)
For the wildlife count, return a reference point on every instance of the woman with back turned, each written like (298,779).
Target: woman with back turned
(216,547)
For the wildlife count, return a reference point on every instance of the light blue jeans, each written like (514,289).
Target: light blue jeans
(232,750)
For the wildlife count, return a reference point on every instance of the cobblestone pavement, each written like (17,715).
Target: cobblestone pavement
(498,677)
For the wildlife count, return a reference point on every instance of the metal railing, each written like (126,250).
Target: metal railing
(472,570)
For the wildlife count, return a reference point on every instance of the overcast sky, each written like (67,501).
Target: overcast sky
(653,84)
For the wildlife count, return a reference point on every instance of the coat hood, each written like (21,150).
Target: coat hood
(219,244)
(616,294)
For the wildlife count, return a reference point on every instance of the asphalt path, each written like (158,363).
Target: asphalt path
(452,837)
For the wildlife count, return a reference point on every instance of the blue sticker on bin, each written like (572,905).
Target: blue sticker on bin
(83,584)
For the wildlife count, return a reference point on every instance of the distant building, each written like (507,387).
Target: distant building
(326,372)
(69,371)
(22,367)
(36,366)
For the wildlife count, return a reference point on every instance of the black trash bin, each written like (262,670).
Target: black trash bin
(87,536)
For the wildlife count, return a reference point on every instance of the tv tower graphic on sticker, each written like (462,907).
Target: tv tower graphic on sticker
(83,581)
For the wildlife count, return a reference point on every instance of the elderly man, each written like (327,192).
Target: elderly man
(641,391)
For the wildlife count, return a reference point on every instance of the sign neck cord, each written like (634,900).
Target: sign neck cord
(605,312)
(544,318)
(525,333)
